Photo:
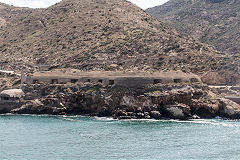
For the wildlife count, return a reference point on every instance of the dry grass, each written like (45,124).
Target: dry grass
(93,35)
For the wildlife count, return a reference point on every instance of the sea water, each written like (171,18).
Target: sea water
(29,137)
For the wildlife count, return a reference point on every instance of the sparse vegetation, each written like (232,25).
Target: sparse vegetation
(214,22)
(88,35)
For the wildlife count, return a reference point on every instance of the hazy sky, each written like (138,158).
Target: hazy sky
(148,3)
(45,3)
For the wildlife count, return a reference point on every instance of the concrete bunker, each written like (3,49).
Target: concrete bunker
(127,79)
(10,99)
(11,95)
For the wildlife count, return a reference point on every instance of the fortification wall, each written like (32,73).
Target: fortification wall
(125,79)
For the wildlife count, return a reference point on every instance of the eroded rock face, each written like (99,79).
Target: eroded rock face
(177,111)
(33,107)
(205,108)
(155,114)
(163,101)
(229,109)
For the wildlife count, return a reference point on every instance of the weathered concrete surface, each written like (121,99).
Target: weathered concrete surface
(127,79)
(10,99)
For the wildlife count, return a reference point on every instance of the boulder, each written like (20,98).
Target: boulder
(120,113)
(155,114)
(139,109)
(176,111)
(58,111)
(229,109)
(104,112)
(140,115)
(205,108)
(147,115)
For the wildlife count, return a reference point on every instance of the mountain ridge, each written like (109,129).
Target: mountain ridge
(214,22)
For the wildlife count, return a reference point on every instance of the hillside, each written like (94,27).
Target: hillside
(215,22)
(104,35)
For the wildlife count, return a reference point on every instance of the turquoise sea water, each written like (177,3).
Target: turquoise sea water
(83,138)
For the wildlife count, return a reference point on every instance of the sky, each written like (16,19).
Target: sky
(144,4)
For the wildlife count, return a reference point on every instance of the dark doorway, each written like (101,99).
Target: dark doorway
(100,81)
(5,98)
(54,81)
(35,81)
(111,82)
(177,80)
(156,81)
(74,80)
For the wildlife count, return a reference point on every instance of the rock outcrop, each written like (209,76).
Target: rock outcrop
(177,111)
(179,101)
(229,109)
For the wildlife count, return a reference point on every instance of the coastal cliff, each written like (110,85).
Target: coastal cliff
(168,101)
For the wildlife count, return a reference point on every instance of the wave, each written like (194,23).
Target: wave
(216,122)
(79,118)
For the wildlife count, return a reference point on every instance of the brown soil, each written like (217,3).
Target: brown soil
(102,35)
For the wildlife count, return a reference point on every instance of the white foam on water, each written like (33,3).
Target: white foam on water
(215,122)
(69,119)
(74,118)
(105,118)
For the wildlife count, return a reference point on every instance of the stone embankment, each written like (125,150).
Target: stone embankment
(174,101)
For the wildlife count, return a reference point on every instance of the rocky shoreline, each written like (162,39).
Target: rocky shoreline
(163,101)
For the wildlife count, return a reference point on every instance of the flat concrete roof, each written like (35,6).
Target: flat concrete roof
(12,93)
(106,74)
